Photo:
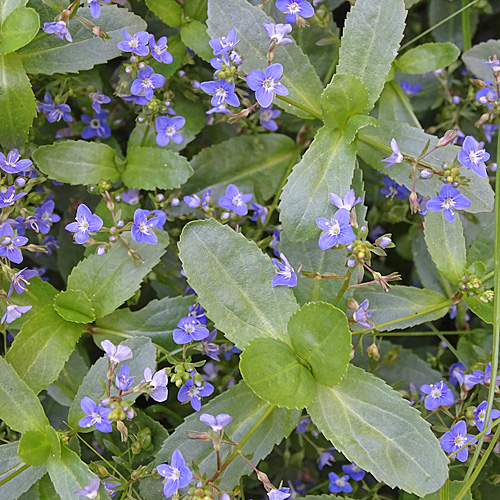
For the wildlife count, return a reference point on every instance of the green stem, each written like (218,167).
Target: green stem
(300,106)
(14,474)
(404,333)
(145,136)
(444,492)
(344,288)
(466,30)
(447,342)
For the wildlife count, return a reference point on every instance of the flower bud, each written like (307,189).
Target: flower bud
(414,206)
(351,304)
(101,250)
(373,353)
(448,138)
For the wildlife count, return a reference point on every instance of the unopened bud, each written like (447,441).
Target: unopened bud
(101,250)
(64,15)
(448,138)
(426,174)
(484,118)
(414,206)
(352,304)
(202,436)
(372,351)
(122,428)
(237,116)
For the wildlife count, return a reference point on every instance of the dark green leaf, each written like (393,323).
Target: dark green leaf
(169,11)
(18,29)
(428,57)
(196,9)
(484,310)
(194,36)
(74,306)
(394,105)
(482,248)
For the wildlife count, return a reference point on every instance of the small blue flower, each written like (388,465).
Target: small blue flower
(304,423)
(14,312)
(86,222)
(58,28)
(479,377)
(221,92)
(347,202)
(235,201)
(494,63)
(96,414)
(336,231)
(437,395)
(277,32)
(177,474)
(265,84)
(9,196)
(410,88)
(44,212)
(122,380)
(189,329)
(294,8)
(267,116)
(158,384)
(197,312)
(9,244)
(20,280)
(55,112)
(91,490)
(480,415)
(286,275)
(449,200)
(209,348)
(131,196)
(50,244)
(96,126)
(362,315)
(218,422)
(356,473)
(137,43)
(142,227)
(224,44)
(487,95)
(109,487)
(338,484)
(95,7)
(147,81)
(472,155)
(12,163)
(281,494)
(489,130)
(395,157)
(393,189)
(191,391)
(136,99)
(159,50)
(326,458)
(97,99)
(114,353)
(260,212)
(167,129)
(453,440)
(456,373)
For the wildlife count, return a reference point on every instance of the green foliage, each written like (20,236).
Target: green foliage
(394,105)
(428,57)
(18,29)
(474,58)
(169,11)
(9,6)
(194,35)
(74,306)
(485,311)
(35,447)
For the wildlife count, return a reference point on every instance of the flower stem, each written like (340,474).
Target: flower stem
(14,474)
(466,31)
(300,106)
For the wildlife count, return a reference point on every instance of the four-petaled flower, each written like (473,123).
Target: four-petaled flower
(480,415)
(191,391)
(167,129)
(177,474)
(410,88)
(473,156)
(395,157)
(265,84)
(494,63)
(96,414)
(86,222)
(147,81)
(9,244)
(456,371)
(393,189)
(97,126)
(20,280)
(137,43)
(142,228)
(362,315)
(14,312)
(260,212)
(91,490)
(294,8)
(114,353)
(449,200)
(97,99)
(122,380)
(437,395)
(221,92)
(218,422)
(277,32)
(234,200)
(267,116)
(338,484)
(58,28)
(356,472)
(12,163)
(9,196)
(159,50)
(286,275)
(453,440)
(347,202)
(158,384)
(189,329)
(335,231)
(55,112)
(95,7)
(224,44)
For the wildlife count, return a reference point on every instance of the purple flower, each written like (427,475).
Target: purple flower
(395,157)
(9,196)
(326,458)
(167,129)
(114,353)
(410,88)
(362,315)
(277,32)
(265,84)
(159,50)
(489,130)
(191,391)
(109,488)
(347,202)
(59,29)
(281,494)
(45,213)
(95,7)
(260,212)
(234,200)
(294,8)
(218,422)
(96,414)
(86,222)
(20,280)
(158,384)
(494,63)
(198,313)
(487,95)
(338,484)
(137,43)
(9,244)
(14,312)
(267,116)
(55,112)
(224,44)
(136,99)
(131,197)
(473,156)
(453,440)
(147,82)
(437,395)
(142,227)
(99,98)
(12,164)
(479,377)
(286,275)
(456,373)
(393,189)
(91,490)
(96,126)
(354,471)
(221,92)
(189,329)
(448,200)
(177,474)
(335,231)
(480,415)
(122,380)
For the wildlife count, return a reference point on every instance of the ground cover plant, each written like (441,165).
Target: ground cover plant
(249,249)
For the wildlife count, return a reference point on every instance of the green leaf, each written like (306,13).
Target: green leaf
(49,55)
(18,29)
(299,77)
(109,280)
(276,374)
(10,463)
(327,166)
(74,306)
(178,51)
(474,58)
(320,335)
(372,425)
(394,105)
(77,162)
(246,409)
(374,144)
(169,11)
(485,311)
(17,102)
(194,36)
(428,57)
(482,248)
(223,164)
(8,6)
(144,355)
(345,96)
(34,448)
(20,409)
(157,321)
(155,168)
(372,33)
(232,278)
(402,307)
(446,244)
(45,490)
(454,489)
(42,347)
(355,124)
(196,9)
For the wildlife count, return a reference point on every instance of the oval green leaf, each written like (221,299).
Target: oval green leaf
(74,306)
(428,57)
(34,448)
(19,29)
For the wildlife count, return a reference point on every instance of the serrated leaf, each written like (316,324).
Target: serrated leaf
(109,280)
(74,306)
(169,11)
(196,9)
(475,57)
(373,426)
(232,278)
(327,166)
(17,102)
(194,36)
(49,55)
(355,124)
(18,29)
(155,168)
(428,57)
(8,6)
(77,162)
(299,76)
(372,33)
(273,371)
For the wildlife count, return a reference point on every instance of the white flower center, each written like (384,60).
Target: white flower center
(269,84)
(237,200)
(170,130)
(435,393)
(335,229)
(174,474)
(476,156)
(96,417)
(147,83)
(294,8)
(448,203)
(460,441)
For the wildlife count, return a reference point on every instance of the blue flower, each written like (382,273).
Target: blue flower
(12,163)
(114,353)
(479,377)
(393,189)
(95,7)
(167,129)
(437,395)
(158,384)
(472,155)
(137,43)
(480,415)
(260,212)
(198,313)
(449,200)
(224,44)
(494,63)
(277,32)
(109,487)
(122,380)
(55,112)
(147,81)
(362,315)
(267,116)
(281,494)
(356,473)
(395,157)
(294,8)
(142,227)
(91,490)
(9,244)
(177,474)
(191,391)
(96,414)
(209,348)
(286,275)
(97,99)
(410,88)
(218,422)
(59,29)
(347,202)
(14,312)
(453,440)
(86,222)
(45,212)
(304,422)
(335,231)
(456,373)
(338,484)
(326,458)
(489,129)
(159,50)
(96,126)
(9,196)
(136,99)
(189,329)
(487,95)
(265,84)
(20,280)
(234,200)
(221,92)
